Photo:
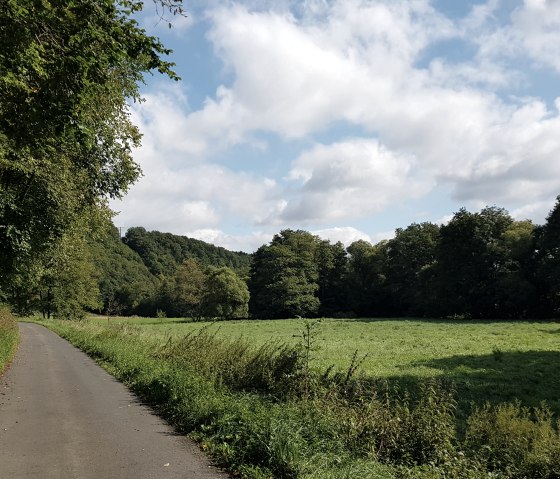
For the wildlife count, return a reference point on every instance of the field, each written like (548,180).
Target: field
(492,361)
(262,413)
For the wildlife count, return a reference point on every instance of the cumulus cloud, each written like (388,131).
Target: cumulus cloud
(357,64)
(242,242)
(348,180)
(345,234)
(296,70)
(534,32)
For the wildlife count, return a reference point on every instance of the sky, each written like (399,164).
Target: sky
(346,118)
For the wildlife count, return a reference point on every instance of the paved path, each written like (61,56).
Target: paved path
(62,416)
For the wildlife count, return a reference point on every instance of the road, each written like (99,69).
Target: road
(62,416)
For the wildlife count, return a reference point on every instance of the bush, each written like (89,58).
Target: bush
(515,440)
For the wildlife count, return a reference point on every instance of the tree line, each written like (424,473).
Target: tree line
(478,265)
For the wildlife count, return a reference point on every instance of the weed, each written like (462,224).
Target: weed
(9,337)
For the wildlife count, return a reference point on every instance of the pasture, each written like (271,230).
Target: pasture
(486,361)
(261,412)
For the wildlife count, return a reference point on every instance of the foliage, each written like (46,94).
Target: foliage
(67,71)
(411,257)
(226,295)
(547,263)
(163,252)
(361,431)
(366,278)
(515,441)
(332,264)
(69,285)
(284,277)
(492,361)
(125,284)
(182,294)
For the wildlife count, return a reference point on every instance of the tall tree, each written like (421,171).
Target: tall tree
(124,281)
(284,277)
(226,295)
(332,263)
(67,71)
(411,255)
(471,258)
(188,287)
(547,263)
(366,278)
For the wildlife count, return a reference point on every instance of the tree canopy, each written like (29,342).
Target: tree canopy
(67,73)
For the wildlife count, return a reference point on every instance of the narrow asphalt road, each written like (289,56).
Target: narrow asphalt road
(62,416)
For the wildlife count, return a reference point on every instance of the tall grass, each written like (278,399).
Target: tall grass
(263,413)
(9,337)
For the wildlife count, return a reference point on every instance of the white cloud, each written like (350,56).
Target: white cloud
(345,234)
(349,180)
(296,70)
(248,243)
(534,33)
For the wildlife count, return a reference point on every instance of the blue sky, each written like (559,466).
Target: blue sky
(347,118)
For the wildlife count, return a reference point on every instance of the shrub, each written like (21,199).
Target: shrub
(515,440)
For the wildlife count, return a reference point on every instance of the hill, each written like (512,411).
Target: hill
(163,252)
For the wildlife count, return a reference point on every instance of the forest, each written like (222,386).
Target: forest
(479,265)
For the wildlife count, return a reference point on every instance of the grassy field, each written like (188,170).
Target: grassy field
(492,361)
(262,413)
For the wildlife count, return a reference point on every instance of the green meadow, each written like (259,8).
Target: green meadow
(421,399)
(486,361)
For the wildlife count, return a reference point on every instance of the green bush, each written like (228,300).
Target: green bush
(515,440)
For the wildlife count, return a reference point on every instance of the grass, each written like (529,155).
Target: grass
(9,337)
(262,414)
(488,361)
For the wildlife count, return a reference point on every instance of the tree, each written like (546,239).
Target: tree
(181,295)
(411,255)
(284,277)
(124,281)
(67,71)
(226,295)
(163,252)
(471,258)
(547,263)
(515,293)
(332,263)
(366,278)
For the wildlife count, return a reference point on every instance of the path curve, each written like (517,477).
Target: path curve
(64,417)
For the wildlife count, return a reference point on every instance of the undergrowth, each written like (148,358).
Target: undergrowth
(262,412)
(9,337)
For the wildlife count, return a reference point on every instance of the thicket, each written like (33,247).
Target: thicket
(265,413)
(9,337)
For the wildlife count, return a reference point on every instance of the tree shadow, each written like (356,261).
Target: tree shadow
(555,331)
(426,320)
(531,377)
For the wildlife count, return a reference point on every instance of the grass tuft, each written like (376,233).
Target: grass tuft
(9,337)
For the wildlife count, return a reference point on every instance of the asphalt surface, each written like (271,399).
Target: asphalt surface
(62,416)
